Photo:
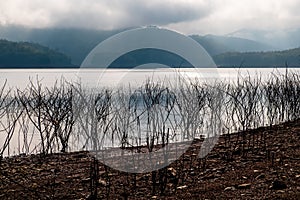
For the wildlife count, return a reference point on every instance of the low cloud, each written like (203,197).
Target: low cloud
(230,15)
(188,16)
(100,14)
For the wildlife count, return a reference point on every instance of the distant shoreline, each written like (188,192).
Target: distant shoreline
(40,67)
(77,67)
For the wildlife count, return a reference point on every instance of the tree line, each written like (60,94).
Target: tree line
(259,59)
(25,54)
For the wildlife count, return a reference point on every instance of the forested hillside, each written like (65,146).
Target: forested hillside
(25,54)
(290,58)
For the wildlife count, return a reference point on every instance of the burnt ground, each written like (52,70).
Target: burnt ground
(257,164)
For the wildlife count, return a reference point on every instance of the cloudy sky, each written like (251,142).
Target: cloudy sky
(187,16)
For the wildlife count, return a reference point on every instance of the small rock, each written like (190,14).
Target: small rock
(244,186)
(298,176)
(154,197)
(229,189)
(172,172)
(102,182)
(101,172)
(257,171)
(181,187)
(192,173)
(278,185)
(281,191)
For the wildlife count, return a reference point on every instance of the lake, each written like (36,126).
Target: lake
(112,78)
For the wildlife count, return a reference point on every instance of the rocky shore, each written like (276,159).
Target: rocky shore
(256,164)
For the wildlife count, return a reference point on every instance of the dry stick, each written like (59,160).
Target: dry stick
(94,179)
(8,109)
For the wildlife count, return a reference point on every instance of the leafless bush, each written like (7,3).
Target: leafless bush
(10,112)
(50,111)
(152,114)
(58,108)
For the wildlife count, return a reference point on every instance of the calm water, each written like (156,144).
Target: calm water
(110,78)
(17,78)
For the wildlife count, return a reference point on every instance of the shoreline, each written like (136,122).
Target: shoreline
(261,163)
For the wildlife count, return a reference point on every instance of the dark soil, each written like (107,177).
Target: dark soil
(257,164)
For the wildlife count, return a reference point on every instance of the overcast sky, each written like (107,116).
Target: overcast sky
(187,16)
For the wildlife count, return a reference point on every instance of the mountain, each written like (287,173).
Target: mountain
(142,57)
(77,43)
(220,44)
(290,58)
(246,46)
(280,39)
(25,54)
